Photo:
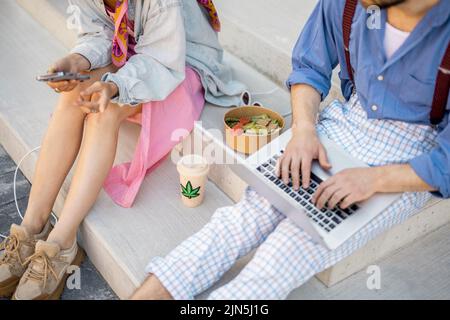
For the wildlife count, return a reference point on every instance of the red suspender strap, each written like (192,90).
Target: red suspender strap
(441,91)
(349,13)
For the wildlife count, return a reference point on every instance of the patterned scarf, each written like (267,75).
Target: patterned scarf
(120,40)
(212,12)
(121,34)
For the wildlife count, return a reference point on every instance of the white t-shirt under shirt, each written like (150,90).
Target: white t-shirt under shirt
(393,39)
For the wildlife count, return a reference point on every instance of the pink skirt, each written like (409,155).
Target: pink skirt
(158,120)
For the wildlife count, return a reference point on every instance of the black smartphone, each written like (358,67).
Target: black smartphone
(63,76)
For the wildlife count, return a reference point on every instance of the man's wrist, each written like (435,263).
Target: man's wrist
(380,178)
(301,127)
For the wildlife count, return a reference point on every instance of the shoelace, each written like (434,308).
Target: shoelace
(11,246)
(40,275)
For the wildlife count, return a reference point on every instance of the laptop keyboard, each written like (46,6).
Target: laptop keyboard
(327,219)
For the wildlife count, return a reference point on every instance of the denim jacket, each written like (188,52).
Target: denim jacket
(170,34)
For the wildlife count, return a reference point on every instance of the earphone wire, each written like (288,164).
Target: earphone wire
(273,90)
(15,186)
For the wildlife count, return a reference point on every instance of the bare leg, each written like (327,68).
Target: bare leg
(151,289)
(57,155)
(96,158)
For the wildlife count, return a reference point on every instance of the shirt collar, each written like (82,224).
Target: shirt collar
(435,17)
(439,14)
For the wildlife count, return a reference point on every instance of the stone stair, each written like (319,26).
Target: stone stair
(263,34)
(121,241)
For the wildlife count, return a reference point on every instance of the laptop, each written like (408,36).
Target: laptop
(329,228)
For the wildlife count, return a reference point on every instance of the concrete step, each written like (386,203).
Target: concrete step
(119,241)
(263,34)
(105,246)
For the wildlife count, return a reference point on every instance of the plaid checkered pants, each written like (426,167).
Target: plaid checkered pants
(286,256)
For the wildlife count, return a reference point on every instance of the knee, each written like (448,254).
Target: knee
(151,289)
(67,99)
(110,118)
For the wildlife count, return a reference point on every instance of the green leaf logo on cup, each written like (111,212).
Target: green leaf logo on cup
(190,192)
(193,170)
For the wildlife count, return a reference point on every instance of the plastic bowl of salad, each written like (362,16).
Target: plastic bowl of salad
(249,128)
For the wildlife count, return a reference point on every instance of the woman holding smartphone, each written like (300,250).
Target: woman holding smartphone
(152,61)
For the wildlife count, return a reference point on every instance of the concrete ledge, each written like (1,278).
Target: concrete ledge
(107,243)
(430,219)
(263,34)
(49,14)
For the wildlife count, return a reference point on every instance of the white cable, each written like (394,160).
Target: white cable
(14,186)
(266,92)
(15,178)
(271,92)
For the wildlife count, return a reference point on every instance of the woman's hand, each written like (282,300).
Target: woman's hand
(72,63)
(97,97)
(303,148)
(348,187)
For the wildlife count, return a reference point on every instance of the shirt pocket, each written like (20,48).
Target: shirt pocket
(417,91)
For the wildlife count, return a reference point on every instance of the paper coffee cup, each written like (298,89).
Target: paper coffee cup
(193,170)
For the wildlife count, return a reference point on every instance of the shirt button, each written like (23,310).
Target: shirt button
(374,107)
(380,78)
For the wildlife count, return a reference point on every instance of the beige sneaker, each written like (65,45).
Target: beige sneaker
(14,251)
(46,274)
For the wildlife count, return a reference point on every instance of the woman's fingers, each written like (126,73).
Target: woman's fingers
(94,97)
(92,106)
(58,84)
(55,67)
(103,102)
(63,86)
(72,85)
(94,88)
(86,110)
(69,87)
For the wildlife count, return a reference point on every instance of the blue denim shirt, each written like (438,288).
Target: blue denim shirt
(405,89)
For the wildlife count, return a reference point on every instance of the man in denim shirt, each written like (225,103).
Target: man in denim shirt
(384,122)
